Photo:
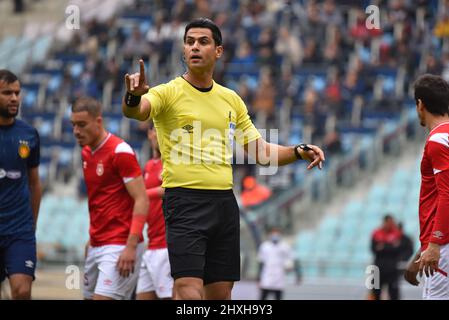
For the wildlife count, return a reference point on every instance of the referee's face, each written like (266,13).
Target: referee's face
(200,50)
(9,99)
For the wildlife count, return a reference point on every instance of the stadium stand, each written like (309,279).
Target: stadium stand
(339,246)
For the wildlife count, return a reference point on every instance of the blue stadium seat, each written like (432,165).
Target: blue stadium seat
(113,123)
(30,95)
(41,48)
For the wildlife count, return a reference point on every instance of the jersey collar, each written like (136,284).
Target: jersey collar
(101,144)
(442,123)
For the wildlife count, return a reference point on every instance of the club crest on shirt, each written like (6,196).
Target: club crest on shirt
(100,169)
(24,149)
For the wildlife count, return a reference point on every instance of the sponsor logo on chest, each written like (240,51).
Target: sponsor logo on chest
(10,174)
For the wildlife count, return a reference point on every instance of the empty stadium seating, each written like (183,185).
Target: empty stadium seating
(339,246)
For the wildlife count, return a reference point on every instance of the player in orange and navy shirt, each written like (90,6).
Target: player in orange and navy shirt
(155,281)
(20,191)
(118,206)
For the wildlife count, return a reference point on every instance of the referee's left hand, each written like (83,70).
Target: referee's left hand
(314,156)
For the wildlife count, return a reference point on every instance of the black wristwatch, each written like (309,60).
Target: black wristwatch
(302,146)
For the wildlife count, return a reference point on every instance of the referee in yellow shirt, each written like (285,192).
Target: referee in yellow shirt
(196,121)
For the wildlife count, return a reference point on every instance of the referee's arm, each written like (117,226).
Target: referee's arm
(270,154)
(133,106)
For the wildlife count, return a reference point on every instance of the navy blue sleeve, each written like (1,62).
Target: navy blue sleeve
(35,154)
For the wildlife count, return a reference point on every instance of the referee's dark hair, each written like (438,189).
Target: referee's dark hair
(208,24)
(7,76)
(89,104)
(433,91)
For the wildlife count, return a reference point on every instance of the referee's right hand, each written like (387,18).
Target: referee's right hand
(136,83)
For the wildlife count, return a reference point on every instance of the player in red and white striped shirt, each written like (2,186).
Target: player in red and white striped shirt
(118,206)
(432,105)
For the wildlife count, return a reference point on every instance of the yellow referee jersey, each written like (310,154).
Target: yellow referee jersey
(195,131)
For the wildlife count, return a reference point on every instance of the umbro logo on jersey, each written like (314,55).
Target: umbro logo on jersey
(29,264)
(438,234)
(188,128)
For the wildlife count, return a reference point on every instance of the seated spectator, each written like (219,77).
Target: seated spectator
(312,55)
(332,143)
(289,46)
(314,113)
(244,54)
(264,99)
(441,29)
(331,14)
(352,85)
(359,30)
(433,66)
(136,45)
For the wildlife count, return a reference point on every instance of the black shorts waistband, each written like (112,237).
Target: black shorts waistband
(199,192)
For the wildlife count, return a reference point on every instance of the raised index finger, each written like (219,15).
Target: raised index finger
(142,71)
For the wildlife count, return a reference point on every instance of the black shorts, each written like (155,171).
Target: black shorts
(203,234)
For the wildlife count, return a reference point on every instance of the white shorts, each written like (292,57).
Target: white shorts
(436,287)
(155,274)
(101,275)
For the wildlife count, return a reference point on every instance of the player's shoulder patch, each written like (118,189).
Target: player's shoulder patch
(123,147)
(441,138)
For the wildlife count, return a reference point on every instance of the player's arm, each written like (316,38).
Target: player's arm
(35,191)
(133,106)
(440,233)
(273,154)
(155,193)
(136,190)
(429,260)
